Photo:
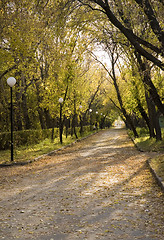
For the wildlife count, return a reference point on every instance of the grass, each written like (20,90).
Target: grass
(148,144)
(145,143)
(30,152)
(158,165)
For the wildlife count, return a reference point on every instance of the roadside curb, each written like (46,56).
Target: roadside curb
(136,146)
(157,178)
(11,164)
(155,175)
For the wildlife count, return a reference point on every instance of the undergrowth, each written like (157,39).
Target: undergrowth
(29,152)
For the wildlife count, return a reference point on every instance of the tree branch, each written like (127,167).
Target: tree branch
(7,71)
(128,33)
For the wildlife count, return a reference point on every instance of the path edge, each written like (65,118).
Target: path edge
(11,164)
(157,178)
(148,161)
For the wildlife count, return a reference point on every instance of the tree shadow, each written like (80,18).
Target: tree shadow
(96,189)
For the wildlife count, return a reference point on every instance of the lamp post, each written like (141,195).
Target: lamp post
(96,125)
(81,120)
(90,111)
(60,120)
(11,82)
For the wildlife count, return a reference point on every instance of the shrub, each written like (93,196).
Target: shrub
(25,137)
(28,137)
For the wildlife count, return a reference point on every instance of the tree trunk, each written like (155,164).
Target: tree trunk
(134,40)
(145,75)
(18,117)
(158,129)
(146,6)
(139,105)
(154,119)
(152,99)
(41,118)
(52,134)
(151,111)
(39,109)
(128,118)
(74,126)
(25,112)
(67,125)
(81,125)
(143,114)
(49,121)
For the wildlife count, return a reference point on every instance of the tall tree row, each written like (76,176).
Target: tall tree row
(50,48)
(44,51)
(136,27)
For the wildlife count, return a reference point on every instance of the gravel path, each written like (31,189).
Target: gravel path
(99,188)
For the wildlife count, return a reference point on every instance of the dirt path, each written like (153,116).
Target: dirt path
(100,188)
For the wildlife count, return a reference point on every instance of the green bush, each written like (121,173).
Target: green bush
(25,137)
(28,137)
(142,131)
(5,140)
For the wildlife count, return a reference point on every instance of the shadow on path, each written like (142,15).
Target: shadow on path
(99,188)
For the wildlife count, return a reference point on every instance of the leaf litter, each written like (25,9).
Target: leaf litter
(99,188)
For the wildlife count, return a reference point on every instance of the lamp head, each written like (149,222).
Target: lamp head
(11,81)
(61,100)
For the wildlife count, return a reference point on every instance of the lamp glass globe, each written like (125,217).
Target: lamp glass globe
(11,81)
(61,100)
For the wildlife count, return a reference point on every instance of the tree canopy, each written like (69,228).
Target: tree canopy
(55,49)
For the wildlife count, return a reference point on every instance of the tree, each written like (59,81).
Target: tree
(122,20)
(139,44)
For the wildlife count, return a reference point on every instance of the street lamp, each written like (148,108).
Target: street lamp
(60,121)
(11,82)
(81,120)
(90,111)
(96,125)
(61,100)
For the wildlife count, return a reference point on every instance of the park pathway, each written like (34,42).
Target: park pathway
(99,188)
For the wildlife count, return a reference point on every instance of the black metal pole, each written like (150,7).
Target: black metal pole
(12,159)
(61,125)
(90,122)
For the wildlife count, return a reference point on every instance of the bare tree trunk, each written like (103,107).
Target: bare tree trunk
(151,102)
(127,117)
(145,75)
(18,117)
(151,111)
(25,112)
(39,109)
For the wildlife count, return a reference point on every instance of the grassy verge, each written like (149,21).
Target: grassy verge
(25,153)
(158,165)
(148,144)
(145,143)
